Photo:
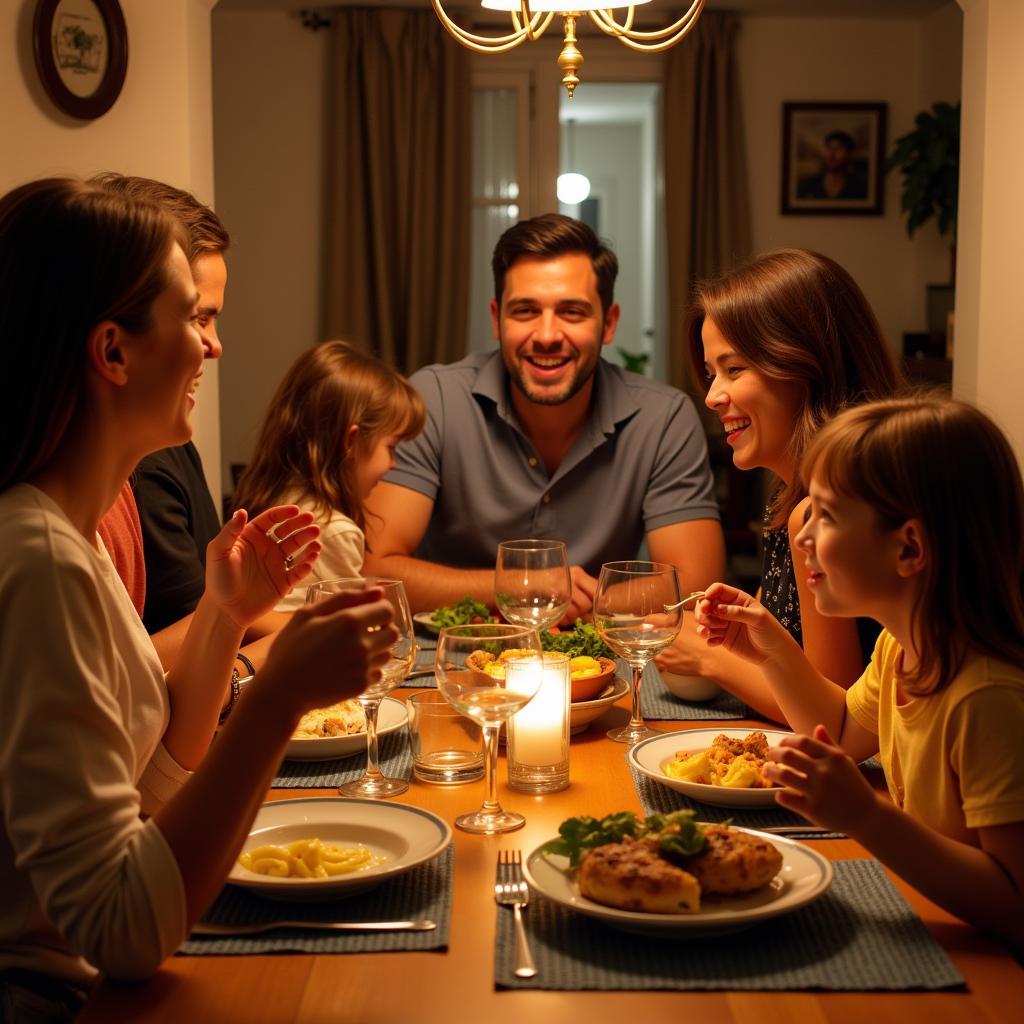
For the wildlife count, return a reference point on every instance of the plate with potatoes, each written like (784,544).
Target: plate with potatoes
(722,767)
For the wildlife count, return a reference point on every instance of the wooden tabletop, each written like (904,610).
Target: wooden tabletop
(446,987)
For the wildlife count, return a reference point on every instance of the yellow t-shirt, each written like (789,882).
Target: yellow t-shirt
(953,759)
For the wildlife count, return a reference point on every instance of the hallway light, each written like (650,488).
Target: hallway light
(530,19)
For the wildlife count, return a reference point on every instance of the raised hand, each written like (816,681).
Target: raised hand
(250,566)
(729,618)
(822,781)
(584,586)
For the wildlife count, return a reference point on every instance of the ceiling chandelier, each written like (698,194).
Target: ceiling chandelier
(530,19)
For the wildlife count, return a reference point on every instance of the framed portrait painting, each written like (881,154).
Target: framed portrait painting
(81,54)
(833,159)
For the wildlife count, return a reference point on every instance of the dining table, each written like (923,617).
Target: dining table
(459,982)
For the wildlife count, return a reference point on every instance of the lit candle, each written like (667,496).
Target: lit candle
(538,734)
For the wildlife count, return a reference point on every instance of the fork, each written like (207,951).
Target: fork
(510,889)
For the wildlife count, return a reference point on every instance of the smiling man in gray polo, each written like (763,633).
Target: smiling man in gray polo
(544,438)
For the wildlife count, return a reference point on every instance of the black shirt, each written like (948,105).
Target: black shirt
(178,520)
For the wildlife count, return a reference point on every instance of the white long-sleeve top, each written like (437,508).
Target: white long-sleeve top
(86,884)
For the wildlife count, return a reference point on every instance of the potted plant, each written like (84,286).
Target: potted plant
(929,160)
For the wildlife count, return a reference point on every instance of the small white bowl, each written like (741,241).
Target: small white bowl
(695,688)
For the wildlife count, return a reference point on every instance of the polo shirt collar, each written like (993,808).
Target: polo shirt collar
(613,403)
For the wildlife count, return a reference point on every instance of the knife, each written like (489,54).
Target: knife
(209,928)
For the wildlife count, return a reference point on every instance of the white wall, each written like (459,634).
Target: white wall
(847,60)
(268,88)
(160,127)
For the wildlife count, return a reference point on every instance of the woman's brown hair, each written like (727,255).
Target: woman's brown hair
(798,317)
(71,256)
(301,450)
(944,463)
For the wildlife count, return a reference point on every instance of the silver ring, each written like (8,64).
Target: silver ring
(289,562)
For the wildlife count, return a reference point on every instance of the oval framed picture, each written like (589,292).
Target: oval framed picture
(81,54)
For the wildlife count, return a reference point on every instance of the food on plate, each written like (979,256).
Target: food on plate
(582,640)
(733,862)
(309,858)
(485,661)
(737,764)
(343,719)
(633,875)
(587,675)
(662,864)
(467,612)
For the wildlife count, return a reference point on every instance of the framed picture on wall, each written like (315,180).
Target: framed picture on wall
(833,157)
(81,54)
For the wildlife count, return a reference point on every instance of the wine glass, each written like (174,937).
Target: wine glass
(484,698)
(532,585)
(638,612)
(403,652)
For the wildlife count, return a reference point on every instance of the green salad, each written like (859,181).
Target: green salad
(676,832)
(582,639)
(467,612)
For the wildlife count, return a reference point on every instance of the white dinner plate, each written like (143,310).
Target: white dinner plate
(401,836)
(805,874)
(424,619)
(391,716)
(583,712)
(649,757)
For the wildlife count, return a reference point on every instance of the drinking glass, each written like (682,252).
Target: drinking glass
(485,699)
(374,784)
(532,585)
(638,612)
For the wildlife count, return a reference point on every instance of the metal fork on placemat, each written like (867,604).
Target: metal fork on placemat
(510,889)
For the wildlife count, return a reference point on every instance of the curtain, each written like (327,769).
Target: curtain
(707,204)
(397,235)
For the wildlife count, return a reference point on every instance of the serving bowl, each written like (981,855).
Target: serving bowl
(693,688)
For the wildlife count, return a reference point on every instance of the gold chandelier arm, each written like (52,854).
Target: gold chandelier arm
(489,44)
(530,20)
(636,40)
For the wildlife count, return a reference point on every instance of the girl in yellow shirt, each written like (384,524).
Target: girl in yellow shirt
(916,520)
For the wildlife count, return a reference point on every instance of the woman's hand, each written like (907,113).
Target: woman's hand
(729,618)
(250,566)
(331,650)
(822,782)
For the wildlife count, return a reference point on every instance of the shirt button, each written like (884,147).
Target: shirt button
(533,461)
(546,498)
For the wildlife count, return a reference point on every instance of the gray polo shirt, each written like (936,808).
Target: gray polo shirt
(639,463)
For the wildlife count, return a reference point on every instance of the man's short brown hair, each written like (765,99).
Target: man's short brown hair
(551,235)
(206,234)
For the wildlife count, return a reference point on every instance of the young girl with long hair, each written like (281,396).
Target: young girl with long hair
(917,520)
(328,437)
(784,343)
(119,821)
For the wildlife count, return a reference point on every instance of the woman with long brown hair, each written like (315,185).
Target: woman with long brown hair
(783,344)
(328,437)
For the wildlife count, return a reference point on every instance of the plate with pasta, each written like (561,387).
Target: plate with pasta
(325,734)
(332,847)
(715,766)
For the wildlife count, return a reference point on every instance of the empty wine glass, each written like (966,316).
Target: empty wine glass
(532,586)
(374,784)
(463,653)
(638,612)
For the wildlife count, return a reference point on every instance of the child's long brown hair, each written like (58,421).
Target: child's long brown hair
(946,464)
(301,449)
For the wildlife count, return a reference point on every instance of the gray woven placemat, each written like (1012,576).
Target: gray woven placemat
(658,799)
(426,647)
(861,935)
(658,704)
(395,763)
(426,891)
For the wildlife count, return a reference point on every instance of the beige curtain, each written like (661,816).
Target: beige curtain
(397,187)
(707,204)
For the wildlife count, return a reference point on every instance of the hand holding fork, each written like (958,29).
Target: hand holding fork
(510,889)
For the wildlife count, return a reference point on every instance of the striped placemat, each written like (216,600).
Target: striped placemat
(395,762)
(860,936)
(423,892)
(658,704)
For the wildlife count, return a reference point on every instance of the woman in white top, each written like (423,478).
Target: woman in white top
(119,827)
(328,436)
